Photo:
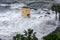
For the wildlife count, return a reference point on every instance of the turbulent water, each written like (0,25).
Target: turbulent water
(42,21)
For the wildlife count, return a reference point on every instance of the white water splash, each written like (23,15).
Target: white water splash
(12,23)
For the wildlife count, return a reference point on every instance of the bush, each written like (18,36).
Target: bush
(29,35)
(51,36)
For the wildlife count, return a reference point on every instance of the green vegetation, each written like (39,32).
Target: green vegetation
(56,8)
(53,36)
(56,34)
(29,35)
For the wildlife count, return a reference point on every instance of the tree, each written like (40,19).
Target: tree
(19,37)
(56,8)
(29,35)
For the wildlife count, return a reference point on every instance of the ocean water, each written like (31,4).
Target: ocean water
(12,22)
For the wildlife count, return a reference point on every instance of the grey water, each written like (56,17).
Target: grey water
(33,4)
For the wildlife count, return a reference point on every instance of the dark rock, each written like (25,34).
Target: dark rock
(47,13)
